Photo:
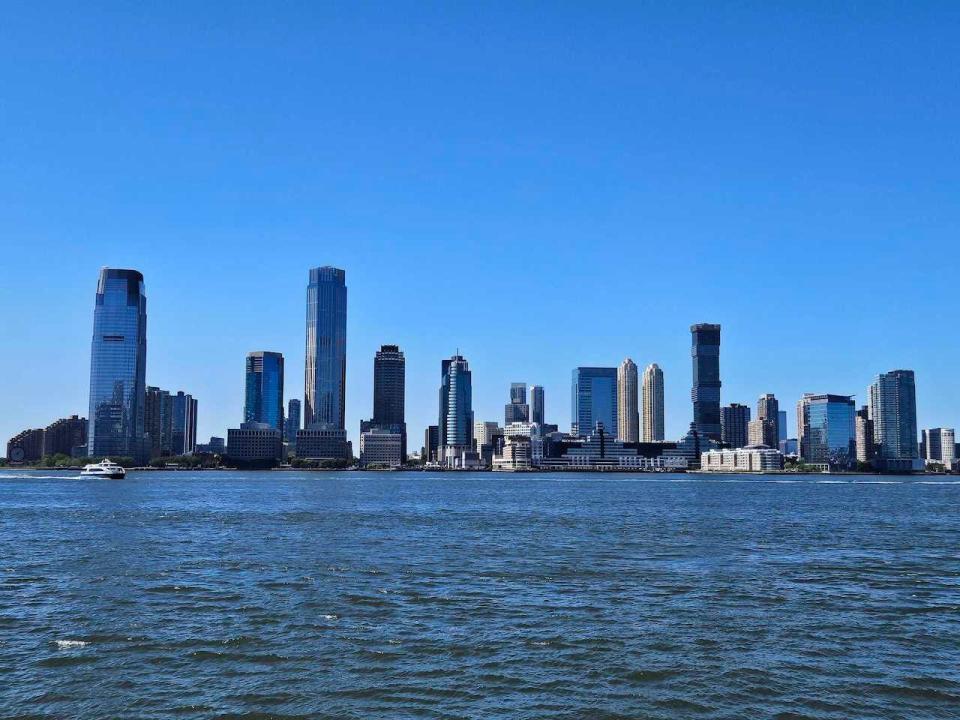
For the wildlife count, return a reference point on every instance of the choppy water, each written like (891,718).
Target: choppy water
(483,596)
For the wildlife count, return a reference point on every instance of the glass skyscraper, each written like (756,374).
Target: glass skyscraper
(537,407)
(264,390)
(893,409)
(593,399)
(826,425)
(325,371)
(706,379)
(292,423)
(118,366)
(456,406)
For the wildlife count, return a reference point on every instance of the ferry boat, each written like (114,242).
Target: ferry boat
(105,469)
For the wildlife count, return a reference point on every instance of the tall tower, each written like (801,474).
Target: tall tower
(118,366)
(456,408)
(628,415)
(653,404)
(893,409)
(264,389)
(537,408)
(593,399)
(325,367)
(705,394)
(517,409)
(389,385)
(292,422)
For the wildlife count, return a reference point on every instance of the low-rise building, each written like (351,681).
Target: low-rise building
(381,448)
(26,446)
(323,443)
(66,436)
(516,455)
(747,459)
(254,443)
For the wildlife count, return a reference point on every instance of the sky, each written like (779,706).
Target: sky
(539,185)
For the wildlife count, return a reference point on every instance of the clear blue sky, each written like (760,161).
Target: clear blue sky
(541,185)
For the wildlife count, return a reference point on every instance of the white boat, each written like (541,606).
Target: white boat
(106,468)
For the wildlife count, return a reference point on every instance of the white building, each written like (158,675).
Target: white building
(628,415)
(747,459)
(381,448)
(516,455)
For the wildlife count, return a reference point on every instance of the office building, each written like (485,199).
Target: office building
(389,383)
(537,406)
(118,367)
(940,447)
(264,389)
(254,444)
(734,423)
(26,446)
(292,422)
(323,443)
(705,394)
(782,431)
(516,455)
(628,405)
(484,431)
(593,396)
(769,409)
(66,436)
(184,424)
(517,410)
(325,367)
(431,444)
(216,446)
(748,459)
(827,430)
(158,422)
(866,445)
(456,410)
(652,427)
(893,409)
(381,448)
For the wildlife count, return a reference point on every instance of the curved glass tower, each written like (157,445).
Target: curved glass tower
(264,389)
(118,366)
(325,367)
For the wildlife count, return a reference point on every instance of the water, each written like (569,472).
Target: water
(261,595)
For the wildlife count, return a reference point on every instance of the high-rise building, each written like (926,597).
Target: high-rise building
(484,431)
(940,446)
(537,407)
(264,389)
(866,446)
(431,443)
(782,426)
(765,429)
(628,413)
(67,436)
(706,379)
(184,430)
(158,421)
(893,409)
(389,383)
(26,446)
(826,429)
(325,367)
(456,409)
(734,421)
(653,404)
(517,409)
(292,422)
(593,399)
(118,366)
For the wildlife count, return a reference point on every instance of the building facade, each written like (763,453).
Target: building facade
(767,430)
(264,389)
(705,394)
(827,430)
(325,365)
(456,409)
(323,443)
(254,444)
(66,436)
(291,423)
(593,396)
(26,446)
(118,367)
(940,447)
(184,430)
(517,410)
(893,409)
(537,405)
(748,459)
(866,445)
(652,427)
(628,404)
(734,424)
(381,448)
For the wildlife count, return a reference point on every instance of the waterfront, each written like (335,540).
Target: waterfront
(478,595)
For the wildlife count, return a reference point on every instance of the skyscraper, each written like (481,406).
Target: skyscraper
(826,430)
(706,379)
(893,409)
(325,367)
(389,388)
(628,415)
(781,426)
(456,409)
(118,366)
(939,445)
(866,446)
(593,399)
(184,424)
(292,422)
(734,421)
(653,404)
(264,389)
(158,422)
(765,429)
(517,409)
(537,407)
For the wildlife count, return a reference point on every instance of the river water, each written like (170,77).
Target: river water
(415,595)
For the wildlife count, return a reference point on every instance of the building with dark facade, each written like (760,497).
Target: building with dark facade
(118,366)
(184,426)
(67,436)
(254,444)
(593,399)
(893,409)
(158,421)
(292,422)
(705,393)
(389,398)
(734,421)
(537,405)
(517,410)
(26,446)
(323,443)
(325,369)
(431,444)
(264,389)
(456,410)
